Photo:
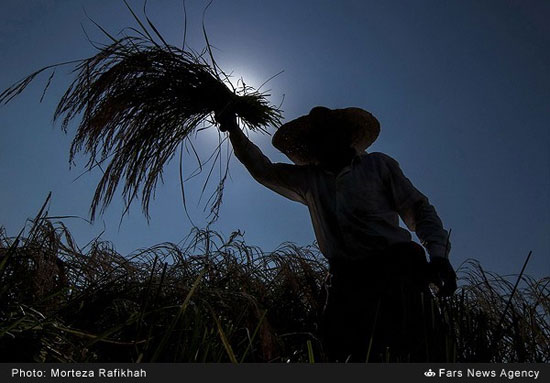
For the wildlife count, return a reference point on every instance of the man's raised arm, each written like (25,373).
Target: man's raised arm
(288,180)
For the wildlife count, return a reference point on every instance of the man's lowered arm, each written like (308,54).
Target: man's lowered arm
(421,217)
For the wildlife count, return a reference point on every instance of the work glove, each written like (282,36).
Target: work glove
(442,275)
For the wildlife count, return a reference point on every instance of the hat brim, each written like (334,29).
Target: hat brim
(297,137)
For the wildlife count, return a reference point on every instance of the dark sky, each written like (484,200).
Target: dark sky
(461,88)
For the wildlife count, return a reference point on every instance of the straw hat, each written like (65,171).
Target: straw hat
(297,138)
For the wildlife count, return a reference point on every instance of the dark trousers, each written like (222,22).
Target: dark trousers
(380,309)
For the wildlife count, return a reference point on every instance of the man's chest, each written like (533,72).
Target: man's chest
(352,190)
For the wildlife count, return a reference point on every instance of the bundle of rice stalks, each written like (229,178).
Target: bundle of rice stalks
(137,100)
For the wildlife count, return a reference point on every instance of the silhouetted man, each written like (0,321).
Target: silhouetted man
(377,289)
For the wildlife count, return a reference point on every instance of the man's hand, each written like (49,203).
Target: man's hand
(443,275)
(227,120)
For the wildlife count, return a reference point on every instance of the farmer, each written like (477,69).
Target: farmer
(377,288)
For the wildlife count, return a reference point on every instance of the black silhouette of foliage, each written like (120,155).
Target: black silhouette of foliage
(137,100)
(216,299)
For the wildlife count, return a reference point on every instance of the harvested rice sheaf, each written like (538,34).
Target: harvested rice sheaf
(137,101)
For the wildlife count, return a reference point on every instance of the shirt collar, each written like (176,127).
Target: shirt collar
(346,169)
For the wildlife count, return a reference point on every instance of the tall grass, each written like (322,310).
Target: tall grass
(494,322)
(215,299)
(207,299)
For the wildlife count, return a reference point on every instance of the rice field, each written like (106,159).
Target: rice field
(212,298)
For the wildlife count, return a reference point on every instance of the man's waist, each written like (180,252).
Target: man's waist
(397,257)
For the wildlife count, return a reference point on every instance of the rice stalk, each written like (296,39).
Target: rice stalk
(136,100)
(62,302)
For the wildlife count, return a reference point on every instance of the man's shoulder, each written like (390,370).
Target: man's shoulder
(380,162)
(377,157)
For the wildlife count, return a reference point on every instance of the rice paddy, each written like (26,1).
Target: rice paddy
(216,299)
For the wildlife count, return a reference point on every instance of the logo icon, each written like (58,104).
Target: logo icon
(429,373)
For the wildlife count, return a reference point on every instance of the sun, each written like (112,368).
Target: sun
(243,79)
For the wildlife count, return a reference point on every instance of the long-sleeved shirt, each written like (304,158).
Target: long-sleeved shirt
(356,212)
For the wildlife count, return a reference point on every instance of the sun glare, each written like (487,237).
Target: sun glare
(244,80)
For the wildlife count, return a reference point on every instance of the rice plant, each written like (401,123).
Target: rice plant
(207,299)
(496,322)
(138,99)
(215,299)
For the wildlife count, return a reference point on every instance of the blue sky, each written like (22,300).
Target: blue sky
(461,88)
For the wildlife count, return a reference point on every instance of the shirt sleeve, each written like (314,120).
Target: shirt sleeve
(416,211)
(287,180)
